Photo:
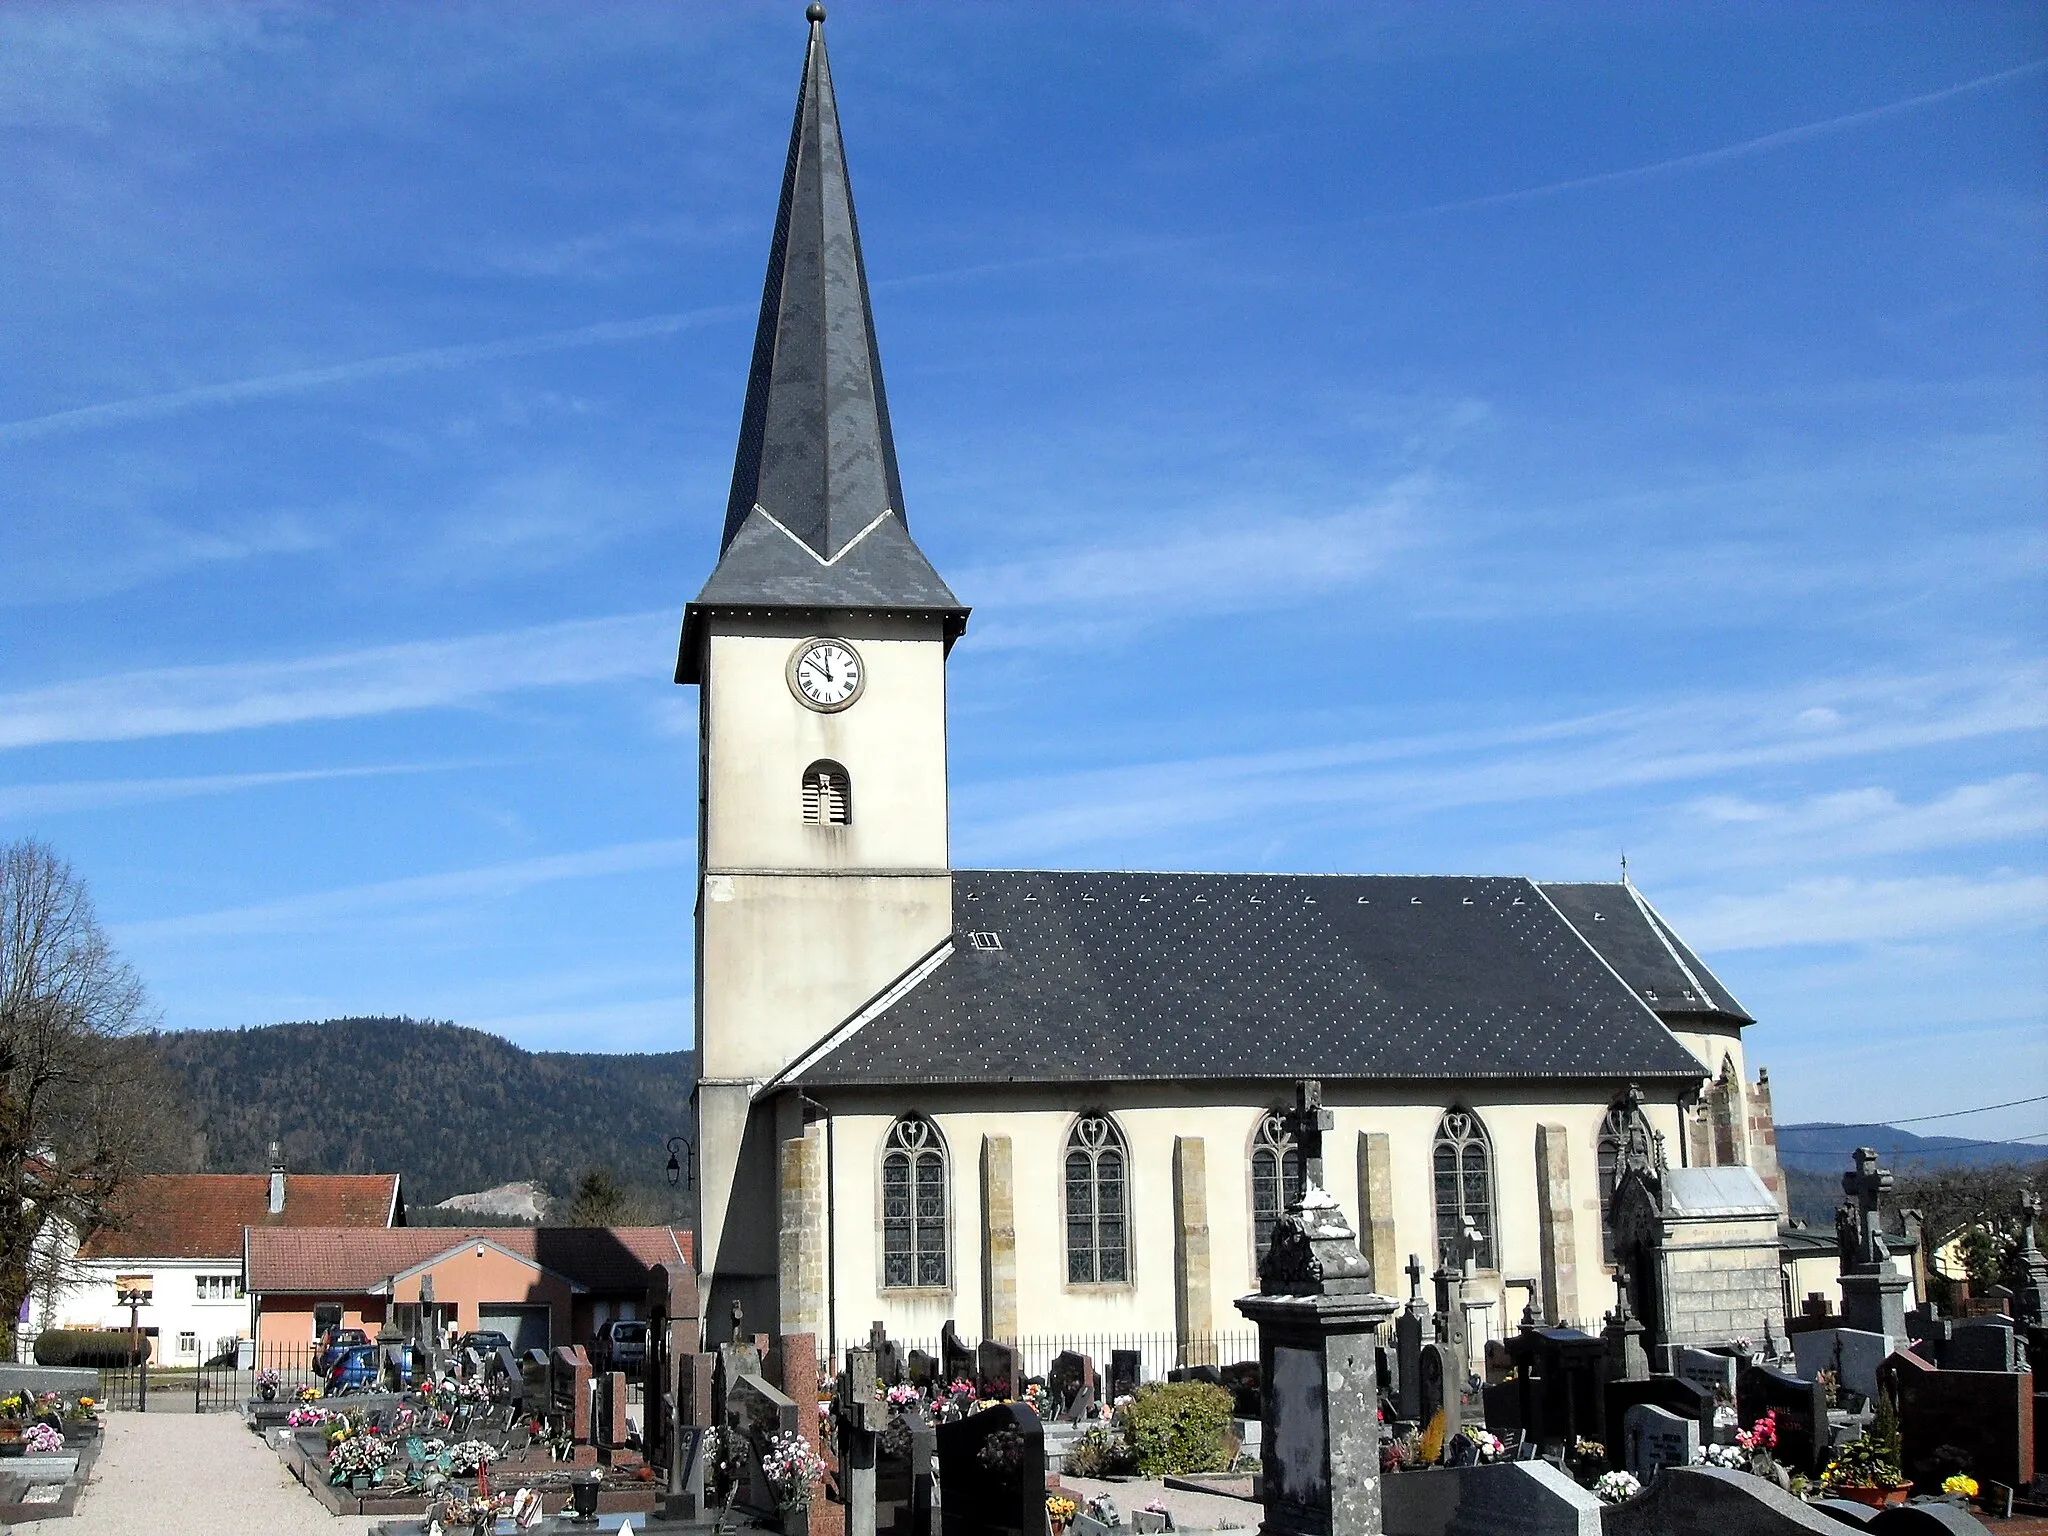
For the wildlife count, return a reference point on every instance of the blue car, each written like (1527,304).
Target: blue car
(361,1369)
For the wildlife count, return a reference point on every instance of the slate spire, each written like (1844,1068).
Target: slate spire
(815,519)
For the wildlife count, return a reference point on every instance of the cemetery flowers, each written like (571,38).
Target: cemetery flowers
(1617,1487)
(1961,1483)
(41,1440)
(357,1454)
(792,1469)
(1060,1509)
(468,1457)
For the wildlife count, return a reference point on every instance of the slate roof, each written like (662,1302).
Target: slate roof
(201,1215)
(339,1261)
(815,519)
(1633,937)
(1708,1192)
(1108,976)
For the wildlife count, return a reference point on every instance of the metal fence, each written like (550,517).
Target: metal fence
(1158,1353)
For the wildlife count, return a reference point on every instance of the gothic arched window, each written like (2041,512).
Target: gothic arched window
(828,795)
(1276,1180)
(914,1204)
(1622,1116)
(1098,1229)
(1463,1162)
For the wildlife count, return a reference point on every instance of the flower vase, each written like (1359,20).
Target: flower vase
(267,1392)
(1874,1498)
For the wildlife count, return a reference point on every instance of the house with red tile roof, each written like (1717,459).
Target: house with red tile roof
(539,1286)
(180,1238)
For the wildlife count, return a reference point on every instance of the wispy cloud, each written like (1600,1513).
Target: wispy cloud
(392,365)
(423,674)
(491,882)
(1846,910)
(1871,821)
(18,800)
(1623,749)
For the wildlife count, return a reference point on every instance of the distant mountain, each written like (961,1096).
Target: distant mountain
(1827,1148)
(451,1109)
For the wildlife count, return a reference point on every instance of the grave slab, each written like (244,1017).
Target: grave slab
(1935,1518)
(1506,1498)
(1851,1353)
(1654,1438)
(1708,1501)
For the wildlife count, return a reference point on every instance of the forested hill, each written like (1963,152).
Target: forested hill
(451,1109)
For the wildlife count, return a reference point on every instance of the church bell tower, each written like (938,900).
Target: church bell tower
(818,648)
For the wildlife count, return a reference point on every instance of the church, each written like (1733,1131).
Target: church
(1044,1103)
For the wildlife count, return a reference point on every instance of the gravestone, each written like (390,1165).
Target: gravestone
(1508,1498)
(955,1358)
(1210,1374)
(1627,1359)
(1411,1328)
(1873,1292)
(1934,1519)
(756,1412)
(611,1398)
(1684,1398)
(888,1355)
(1985,1344)
(1802,1409)
(1437,1391)
(1653,1439)
(923,1369)
(992,1473)
(1241,1381)
(1070,1383)
(1557,1384)
(1318,1318)
(1702,1367)
(2031,1300)
(570,1392)
(1853,1355)
(1976,1421)
(995,1370)
(1124,1368)
(1710,1501)
(859,1416)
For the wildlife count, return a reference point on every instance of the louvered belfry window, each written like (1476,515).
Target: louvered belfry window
(1276,1180)
(828,795)
(1098,1232)
(1464,1186)
(914,1205)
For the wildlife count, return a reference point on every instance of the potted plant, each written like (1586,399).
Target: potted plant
(1059,1512)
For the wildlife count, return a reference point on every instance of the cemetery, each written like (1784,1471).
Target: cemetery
(49,1440)
(1356,1412)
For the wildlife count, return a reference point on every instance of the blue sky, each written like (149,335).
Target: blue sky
(1426,438)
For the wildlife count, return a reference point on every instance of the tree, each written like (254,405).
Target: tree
(599,1201)
(84,1104)
(1951,1199)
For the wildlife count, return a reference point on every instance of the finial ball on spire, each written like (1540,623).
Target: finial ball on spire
(814,12)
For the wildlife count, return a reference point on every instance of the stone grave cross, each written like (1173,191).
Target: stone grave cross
(1306,1123)
(2031,1303)
(1866,1184)
(1470,1240)
(1414,1279)
(861,1418)
(2029,1213)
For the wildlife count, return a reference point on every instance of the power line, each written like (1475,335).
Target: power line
(1953,1114)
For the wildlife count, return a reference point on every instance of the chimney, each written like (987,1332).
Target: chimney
(276,1180)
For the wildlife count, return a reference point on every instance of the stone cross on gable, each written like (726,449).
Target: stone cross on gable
(1866,1184)
(1306,1123)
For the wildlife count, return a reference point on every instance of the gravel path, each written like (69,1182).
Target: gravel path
(184,1474)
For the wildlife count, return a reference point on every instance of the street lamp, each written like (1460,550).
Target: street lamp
(682,1162)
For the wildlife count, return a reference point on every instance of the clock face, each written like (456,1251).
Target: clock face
(826,674)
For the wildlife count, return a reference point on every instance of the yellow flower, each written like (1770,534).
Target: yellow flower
(1961,1483)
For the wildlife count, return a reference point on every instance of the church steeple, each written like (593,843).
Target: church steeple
(815,519)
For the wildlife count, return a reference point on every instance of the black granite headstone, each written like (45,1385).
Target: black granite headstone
(1070,1383)
(1673,1394)
(1802,1409)
(1124,1369)
(992,1473)
(995,1371)
(956,1360)
(1247,1401)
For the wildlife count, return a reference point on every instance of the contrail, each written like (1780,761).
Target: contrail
(424,361)
(1747,147)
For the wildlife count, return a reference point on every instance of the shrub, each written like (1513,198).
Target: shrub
(1176,1427)
(96,1348)
(1098,1453)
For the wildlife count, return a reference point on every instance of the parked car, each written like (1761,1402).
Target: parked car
(359,1368)
(621,1345)
(485,1341)
(331,1342)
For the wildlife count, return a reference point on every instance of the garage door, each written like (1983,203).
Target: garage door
(526,1327)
